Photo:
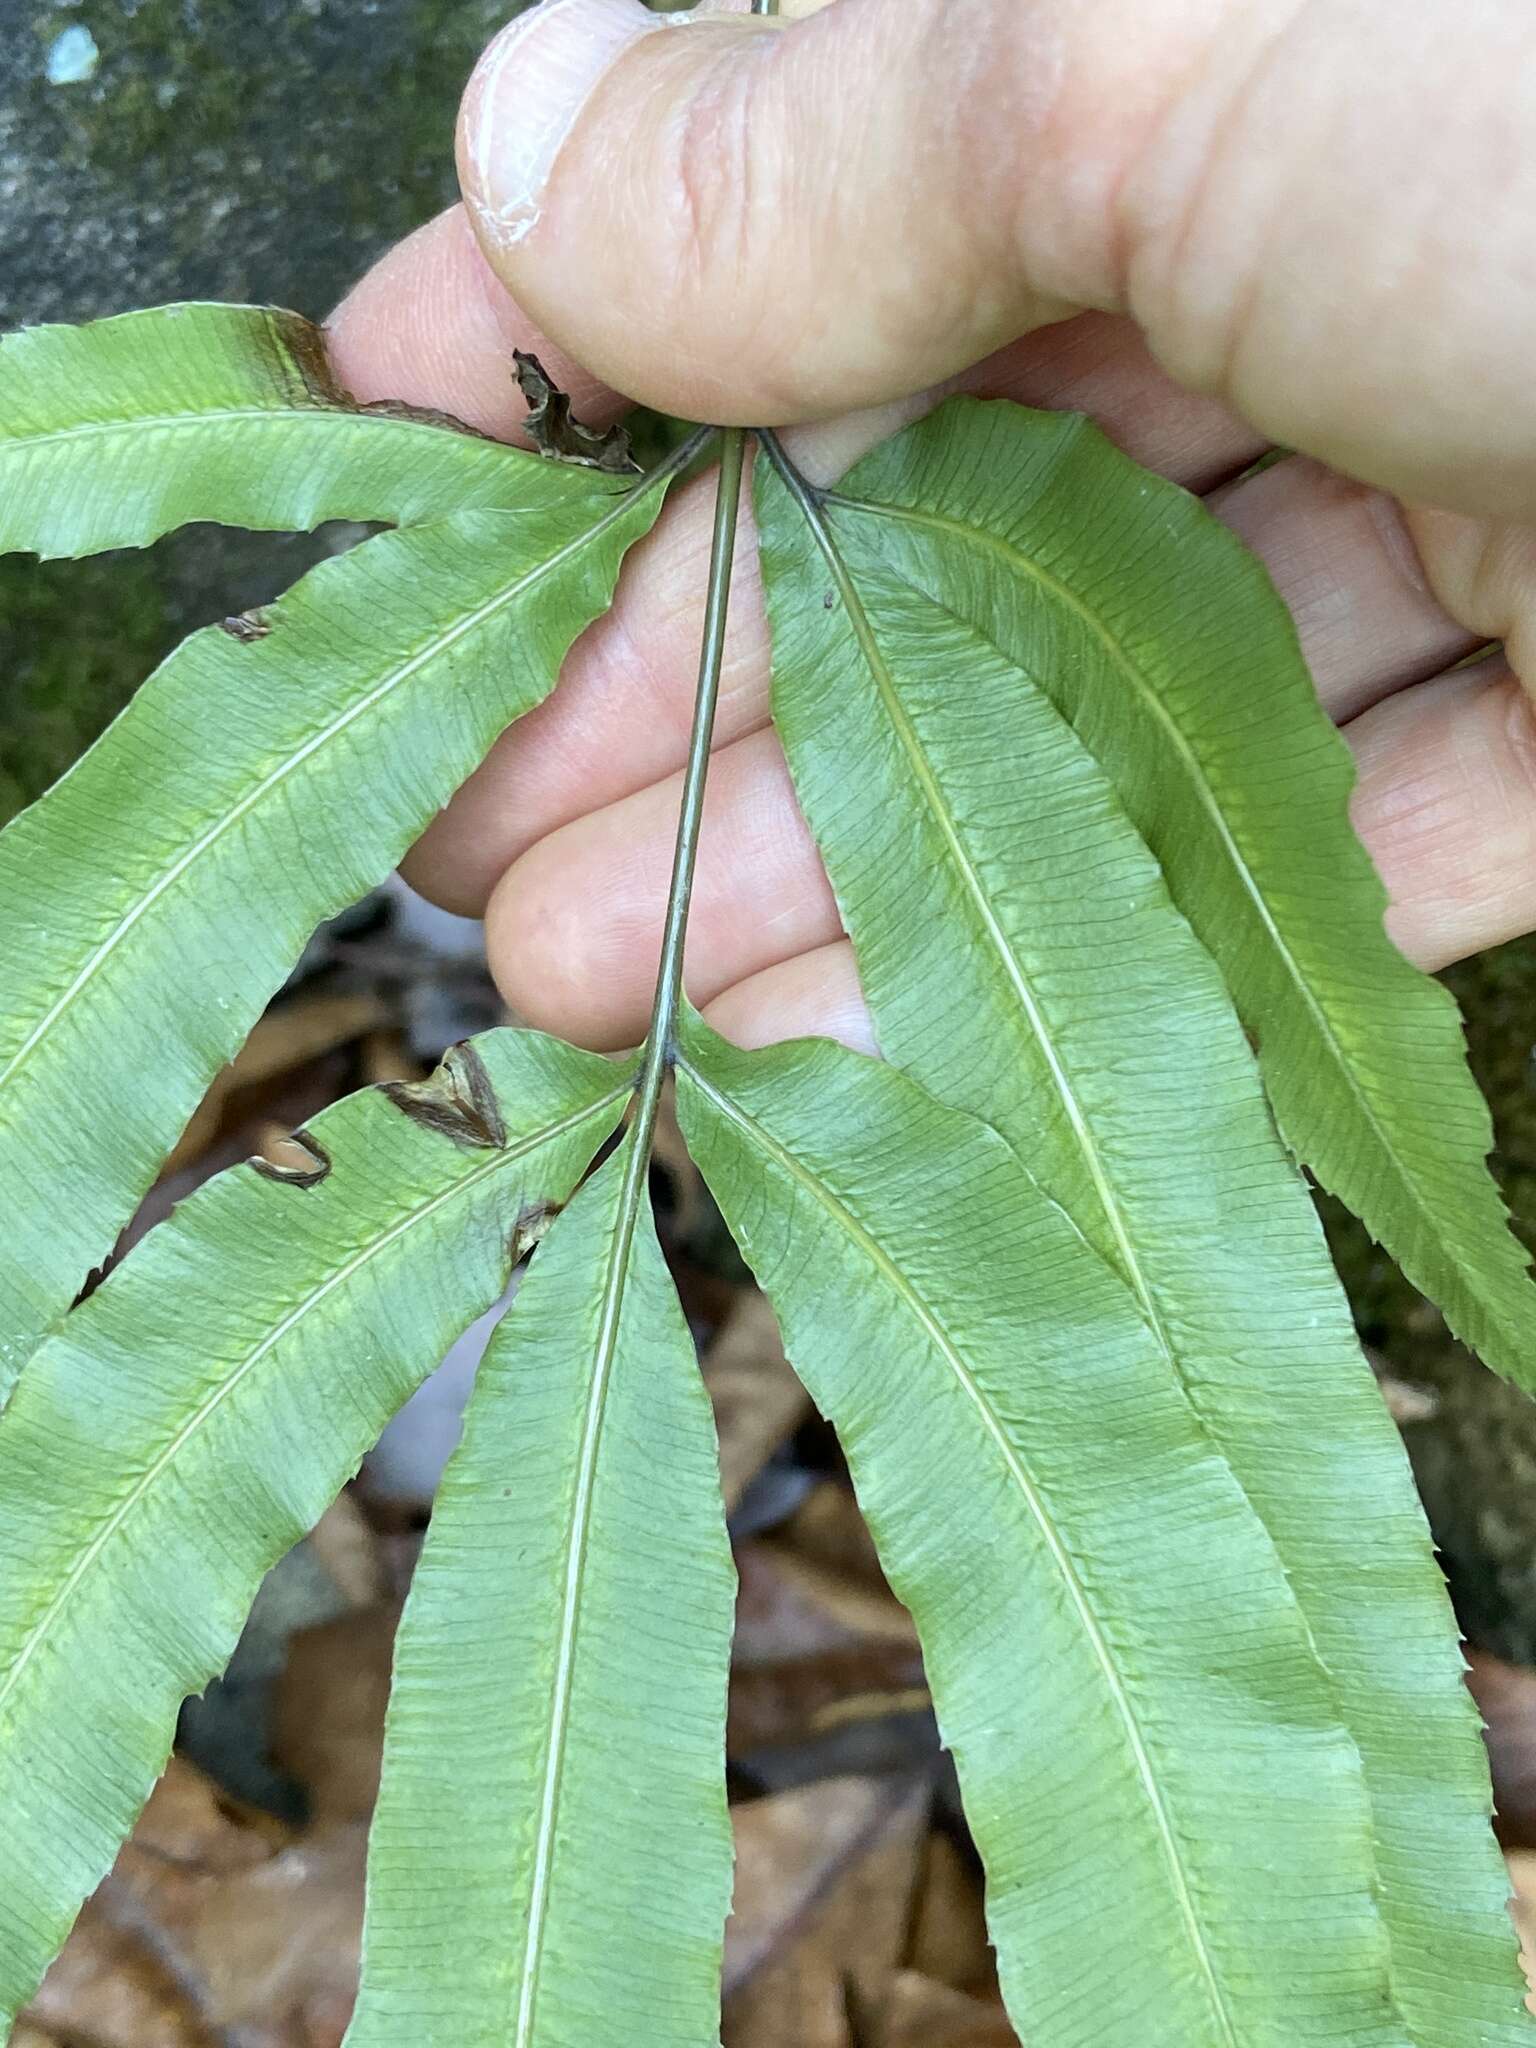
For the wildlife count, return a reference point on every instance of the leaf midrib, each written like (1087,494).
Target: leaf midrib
(218,416)
(273,780)
(1034,1502)
(38,1633)
(1013,970)
(604,1350)
(1114,647)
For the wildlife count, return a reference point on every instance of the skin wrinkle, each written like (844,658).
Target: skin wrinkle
(1396,540)
(1124,234)
(1456,749)
(531,969)
(1395,283)
(1209,363)
(710,129)
(1341,557)
(1484,573)
(1520,734)
(1268,482)
(777,1002)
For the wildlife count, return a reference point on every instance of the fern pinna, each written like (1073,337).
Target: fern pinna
(1050,1268)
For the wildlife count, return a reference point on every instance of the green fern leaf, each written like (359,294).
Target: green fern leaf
(155,898)
(1163,642)
(1022,959)
(199,1412)
(550,1864)
(1145,1741)
(113,433)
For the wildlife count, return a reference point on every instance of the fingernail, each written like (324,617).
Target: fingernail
(525,96)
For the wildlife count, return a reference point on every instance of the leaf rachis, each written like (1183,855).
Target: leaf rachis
(660,1054)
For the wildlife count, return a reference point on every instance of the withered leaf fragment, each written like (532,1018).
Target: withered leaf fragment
(562,438)
(295,1159)
(247,626)
(458,1100)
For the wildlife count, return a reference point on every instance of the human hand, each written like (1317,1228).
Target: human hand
(1287,224)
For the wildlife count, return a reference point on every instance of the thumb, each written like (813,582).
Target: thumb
(748,219)
(1312,214)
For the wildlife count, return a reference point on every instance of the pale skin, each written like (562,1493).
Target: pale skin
(1214,225)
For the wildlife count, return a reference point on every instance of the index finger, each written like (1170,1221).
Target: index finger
(431,325)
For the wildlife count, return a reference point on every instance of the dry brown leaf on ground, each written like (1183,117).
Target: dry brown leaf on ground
(276,1948)
(671,1158)
(788,1607)
(328,1711)
(826,1675)
(825,1877)
(347,1548)
(757,1399)
(385,1056)
(1506,1699)
(815,1584)
(798,1699)
(214,1918)
(828,1529)
(920,2013)
(190,1824)
(862,1610)
(949,1922)
(110,1988)
(288,1036)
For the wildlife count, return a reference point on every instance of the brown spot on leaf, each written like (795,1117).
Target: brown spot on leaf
(421,416)
(532,1224)
(307,349)
(458,1101)
(306,346)
(247,626)
(562,438)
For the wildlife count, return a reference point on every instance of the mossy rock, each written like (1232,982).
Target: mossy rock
(62,677)
(230,149)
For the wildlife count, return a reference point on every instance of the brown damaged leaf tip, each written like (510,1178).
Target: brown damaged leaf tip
(457,1101)
(421,416)
(560,437)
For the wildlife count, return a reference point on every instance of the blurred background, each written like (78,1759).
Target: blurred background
(269,150)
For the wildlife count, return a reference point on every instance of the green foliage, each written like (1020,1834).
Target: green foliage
(113,433)
(155,899)
(1050,1272)
(197,1415)
(1163,642)
(1046,982)
(565,1644)
(1126,1664)
(63,678)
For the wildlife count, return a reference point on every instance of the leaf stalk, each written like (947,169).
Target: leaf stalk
(808,496)
(660,1044)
